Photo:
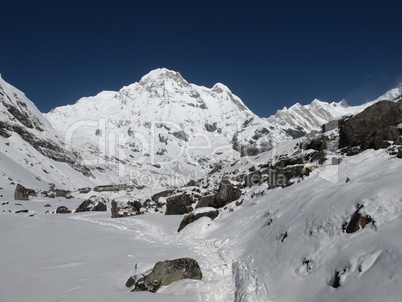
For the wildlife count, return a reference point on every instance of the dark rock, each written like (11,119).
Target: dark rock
(251,151)
(318,156)
(164,273)
(253,179)
(227,193)
(92,204)
(166,193)
(190,218)
(47,205)
(63,210)
(206,201)
(358,221)
(128,208)
(181,135)
(315,141)
(178,205)
(336,283)
(192,183)
(331,125)
(61,193)
(21,211)
(22,193)
(295,133)
(373,126)
(211,127)
(399,155)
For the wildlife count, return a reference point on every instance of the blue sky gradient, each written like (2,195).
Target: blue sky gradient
(270,54)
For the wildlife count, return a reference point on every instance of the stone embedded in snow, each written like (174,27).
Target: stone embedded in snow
(178,205)
(227,193)
(22,193)
(63,210)
(156,196)
(190,218)
(125,208)
(92,204)
(206,201)
(164,273)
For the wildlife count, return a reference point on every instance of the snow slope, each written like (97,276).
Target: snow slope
(244,254)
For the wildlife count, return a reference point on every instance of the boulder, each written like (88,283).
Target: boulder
(190,218)
(373,126)
(164,273)
(63,210)
(22,193)
(206,201)
(357,221)
(125,208)
(21,211)
(178,205)
(92,204)
(166,193)
(399,155)
(61,193)
(227,193)
(253,179)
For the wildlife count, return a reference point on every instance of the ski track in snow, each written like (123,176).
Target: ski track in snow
(217,261)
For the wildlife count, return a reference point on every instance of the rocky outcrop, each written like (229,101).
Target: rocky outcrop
(92,204)
(164,273)
(372,128)
(190,218)
(178,205)
(22,193)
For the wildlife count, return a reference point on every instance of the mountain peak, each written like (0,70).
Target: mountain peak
(162,74)
(219,88)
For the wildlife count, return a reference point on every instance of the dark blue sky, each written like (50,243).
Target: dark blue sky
(270,54)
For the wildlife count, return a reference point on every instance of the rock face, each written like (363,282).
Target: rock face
(22,193)
(164,273)
(178,205)
(372,127)
(92,204)
(190,218)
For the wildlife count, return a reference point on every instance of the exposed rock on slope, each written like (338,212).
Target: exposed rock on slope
(373,127)
(164,273)
(22,193)
(19,116)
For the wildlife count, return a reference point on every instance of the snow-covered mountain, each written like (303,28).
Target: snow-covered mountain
(308,220)
(164,121)
(161,125)
(31,150)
